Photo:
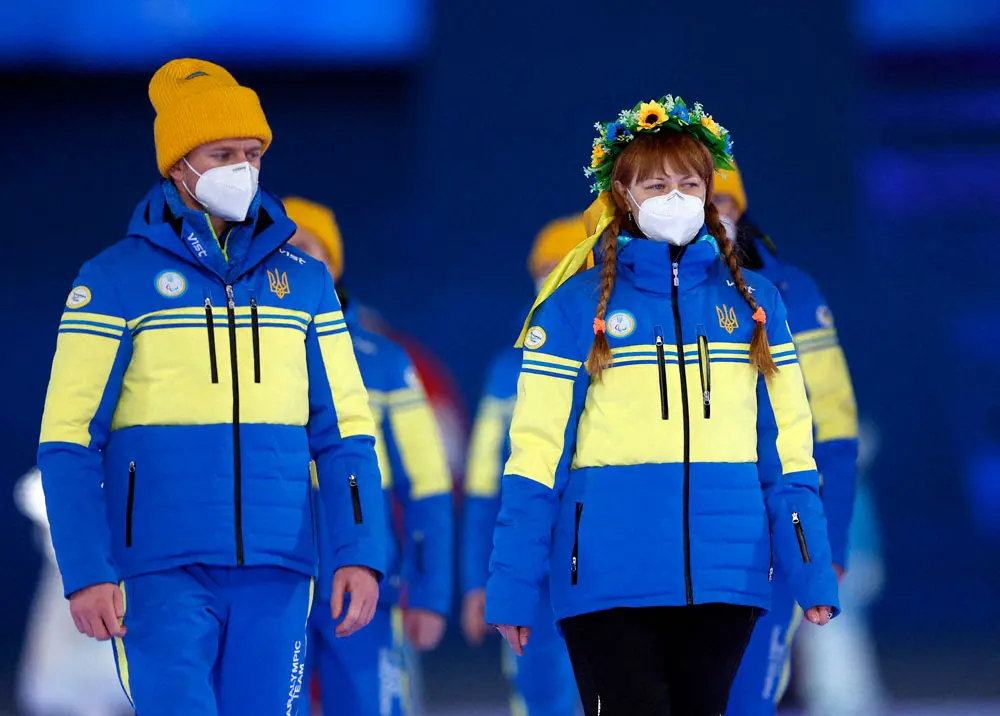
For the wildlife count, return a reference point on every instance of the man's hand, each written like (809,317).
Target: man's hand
(819,615)
(98,610)
(361,584)
(474,616)
(423,628)
(516,636)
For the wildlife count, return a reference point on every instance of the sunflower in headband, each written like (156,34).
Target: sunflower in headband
(668,112)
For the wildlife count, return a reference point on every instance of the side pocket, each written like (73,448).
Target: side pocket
(130,504)
(575,564)
(356,500)
(210,325)
(800,534)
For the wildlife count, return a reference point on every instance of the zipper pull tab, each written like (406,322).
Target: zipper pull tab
(676,279)
(574,564)
(795,518)
(707,398)
(229,295)
(208,303)
(659,340)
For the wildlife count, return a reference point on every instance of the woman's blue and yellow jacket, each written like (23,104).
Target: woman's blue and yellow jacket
(194,379)
(675,478)
(415,475)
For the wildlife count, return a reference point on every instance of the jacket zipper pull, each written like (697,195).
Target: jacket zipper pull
(229,295)
(676,268)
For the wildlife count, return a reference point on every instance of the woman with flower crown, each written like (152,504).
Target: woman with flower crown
(661,461)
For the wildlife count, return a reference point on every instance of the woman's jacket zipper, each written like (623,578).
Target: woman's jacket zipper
(130,504)
(210,323)
(661,367)
(674,300)
(800,534)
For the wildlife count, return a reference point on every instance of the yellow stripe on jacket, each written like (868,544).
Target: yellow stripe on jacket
(538,427)
(787,392)
(86,348)
(350,399)
(484,468)
(421,451)
(828,382)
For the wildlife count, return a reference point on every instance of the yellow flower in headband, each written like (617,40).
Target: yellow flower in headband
(710,124)
(651,115)
(597,155)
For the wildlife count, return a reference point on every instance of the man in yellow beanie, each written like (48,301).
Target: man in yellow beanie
(364,675)
(542,681)
(201,364)
(763,674)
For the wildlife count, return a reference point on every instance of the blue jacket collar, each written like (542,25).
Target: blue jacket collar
(649,267)
(163,219)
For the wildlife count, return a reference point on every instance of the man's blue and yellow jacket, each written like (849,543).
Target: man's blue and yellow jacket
(415,474)
(831,395)
(193,380)
(675,478)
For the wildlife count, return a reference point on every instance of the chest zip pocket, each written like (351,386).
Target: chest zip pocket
(255,331)
(705,370)
(210,324)
(661,367)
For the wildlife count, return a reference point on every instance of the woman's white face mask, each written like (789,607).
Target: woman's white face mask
(675,218)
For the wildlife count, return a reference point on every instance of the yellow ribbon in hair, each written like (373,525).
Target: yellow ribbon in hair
(596,219)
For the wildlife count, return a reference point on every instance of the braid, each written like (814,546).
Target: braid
(760,350)
(600,351)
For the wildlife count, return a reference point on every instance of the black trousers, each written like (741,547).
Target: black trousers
(658,661)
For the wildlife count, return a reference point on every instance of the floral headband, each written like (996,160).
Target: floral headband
(649,118)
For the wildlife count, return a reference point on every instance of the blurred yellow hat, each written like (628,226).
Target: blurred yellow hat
(319,221)
(198,102)
(554,241)
(729,181)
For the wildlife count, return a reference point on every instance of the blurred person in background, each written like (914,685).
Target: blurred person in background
(200,365)
(542,684)
(62,672)
(661,443)
(764,673)
(837,672)
(367,675)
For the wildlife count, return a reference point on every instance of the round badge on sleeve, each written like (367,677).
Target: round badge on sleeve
(824,316)
(79,297)
(535,337)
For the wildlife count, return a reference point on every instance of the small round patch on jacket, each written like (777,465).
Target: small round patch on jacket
(620,324)
(824,316)
(79,297)
(534,338)
(171,284)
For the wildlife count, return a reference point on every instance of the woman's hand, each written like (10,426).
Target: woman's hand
(819,615)
(516,636)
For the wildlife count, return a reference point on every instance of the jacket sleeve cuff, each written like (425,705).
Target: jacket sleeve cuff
(81,576)
(815,586)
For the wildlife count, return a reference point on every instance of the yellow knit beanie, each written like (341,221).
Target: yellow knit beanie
(554,241)
(198,102)
(319,221)
(729,181)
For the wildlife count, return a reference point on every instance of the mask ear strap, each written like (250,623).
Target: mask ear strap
(185,160)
